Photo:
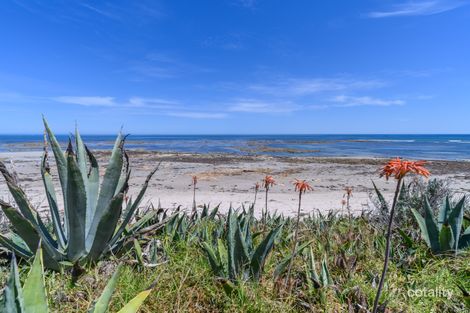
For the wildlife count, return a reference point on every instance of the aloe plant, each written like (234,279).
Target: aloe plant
(91,225)
(237,257)
(445,234)
(32,298)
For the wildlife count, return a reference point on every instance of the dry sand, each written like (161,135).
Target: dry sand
(230,179)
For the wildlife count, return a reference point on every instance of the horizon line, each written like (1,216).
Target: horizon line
(238,134)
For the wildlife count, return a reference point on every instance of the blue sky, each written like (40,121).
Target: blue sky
(235,67)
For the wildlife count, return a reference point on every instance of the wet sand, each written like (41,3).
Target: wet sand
(230,179)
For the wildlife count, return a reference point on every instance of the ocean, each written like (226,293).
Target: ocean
(428,147)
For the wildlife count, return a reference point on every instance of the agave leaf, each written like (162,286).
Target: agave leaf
(44,232)
(16,248)
(259,256)
(214,262)
(383,203)
(422,226)
(241,255)
(18,194)
(221,253)
(81,155)
(444,212)
(51,254)
(76,206)
(124,175)
(34,291)
(93,187)
(134,305)
(102,303)
(134,228)
(22,226)
(432,228)
(130,212)
(446,238)
(60,161)
(282,266)
(214,212)
(52,200)
(464,241)
(205,211)
(82,165)
(106,227)
(231,228)
(110,180)
(12,301)
(408,241)
(325,273)
(138,252)
(312,268)
(456,220)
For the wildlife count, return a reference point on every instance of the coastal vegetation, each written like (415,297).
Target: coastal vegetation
(104,251)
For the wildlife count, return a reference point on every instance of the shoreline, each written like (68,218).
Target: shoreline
(229,179)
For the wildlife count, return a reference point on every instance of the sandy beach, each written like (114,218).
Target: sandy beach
(230,179)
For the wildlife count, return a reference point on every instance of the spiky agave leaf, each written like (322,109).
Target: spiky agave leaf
(76,206)
(52,200)
(455,222)
(108,188)
(259,256)
(102,303)
(282,266)
(34,290)
(12,301)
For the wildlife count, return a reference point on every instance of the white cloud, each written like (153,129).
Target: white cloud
(258,106)
(86,101)
(197,115)
(155,103)
(302,87)
(413,8)
(141,105)
(348,101)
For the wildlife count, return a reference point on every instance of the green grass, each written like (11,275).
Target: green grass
(354,253)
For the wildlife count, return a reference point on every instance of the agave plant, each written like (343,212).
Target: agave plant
(91,225)
(32,298)
(238,258)
(315,280)
(445,234)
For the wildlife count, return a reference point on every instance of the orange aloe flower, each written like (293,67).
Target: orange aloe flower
(194,180)
(257,186)
(348,191)
(398,168)
(268,181)
(302,186)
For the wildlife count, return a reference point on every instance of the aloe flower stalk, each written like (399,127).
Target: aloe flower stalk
(194,180)
(268,182)
(301,186)
(397,169)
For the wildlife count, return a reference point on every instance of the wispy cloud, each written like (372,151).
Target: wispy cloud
(303,87)
(348,101)
(79,11)
(414,8)
(156,103)
(141,105)
(198,115)
(86,101)
(262,106)
(101,12)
